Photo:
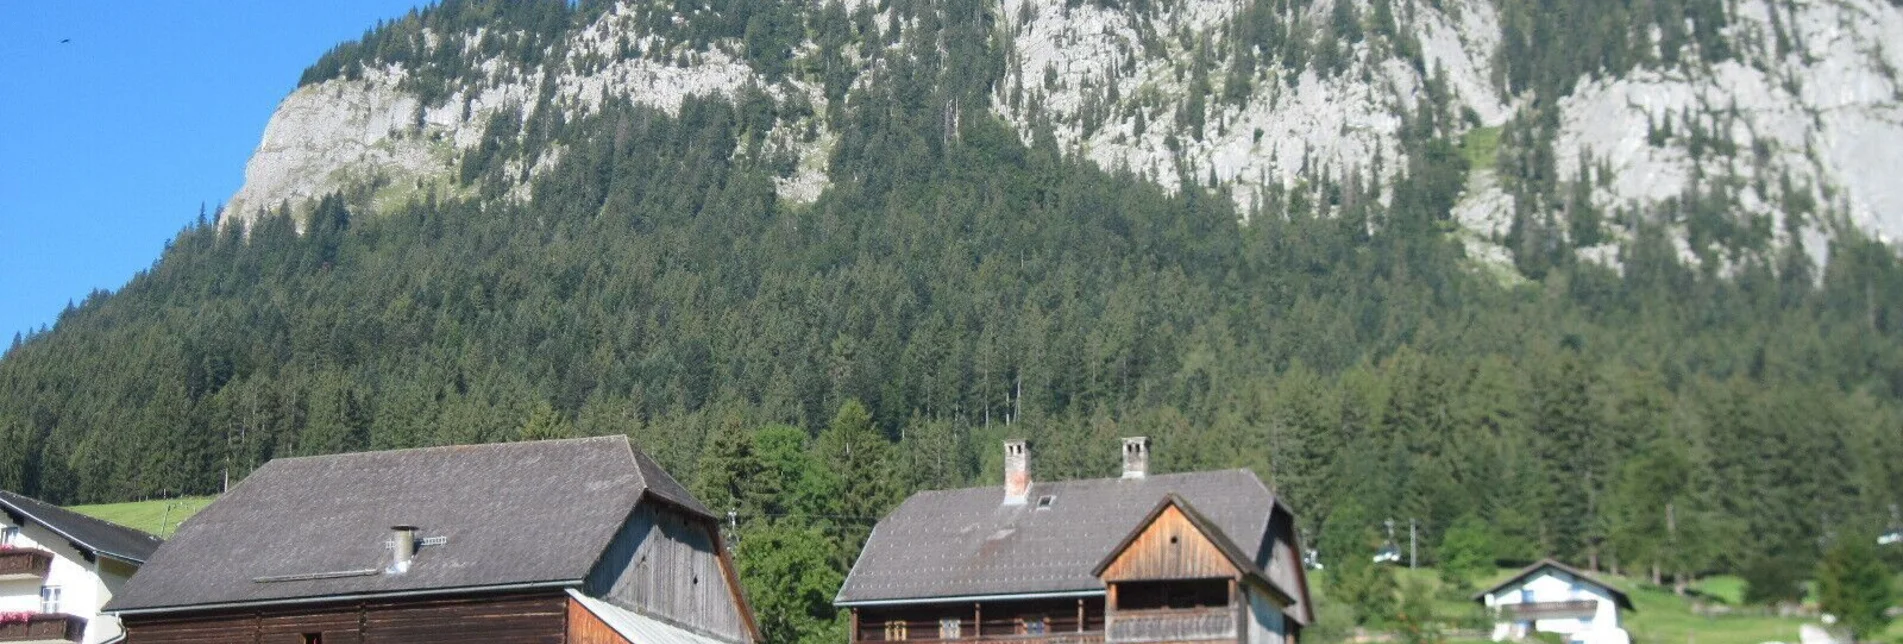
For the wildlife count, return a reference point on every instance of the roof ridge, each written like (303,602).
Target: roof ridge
(1151,477)
(437,448)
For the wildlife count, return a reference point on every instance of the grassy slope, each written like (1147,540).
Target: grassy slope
(157,517)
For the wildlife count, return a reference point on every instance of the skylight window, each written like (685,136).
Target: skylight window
(1044,502)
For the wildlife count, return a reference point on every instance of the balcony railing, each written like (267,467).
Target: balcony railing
(24,563)
(1047,638)
(43,628)
(1173,625)
(1549,610)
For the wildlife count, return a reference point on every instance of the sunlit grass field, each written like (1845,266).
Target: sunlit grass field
(161,517)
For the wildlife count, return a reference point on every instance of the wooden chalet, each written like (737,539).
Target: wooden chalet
(581,541)
(1196,557)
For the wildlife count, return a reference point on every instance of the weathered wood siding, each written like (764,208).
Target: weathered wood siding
(664,563)
(1170,548)
(501,619)
(1283,565)
(585,628)
(1191,625)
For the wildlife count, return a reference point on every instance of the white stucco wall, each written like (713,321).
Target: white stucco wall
(83,588)
(1553,585)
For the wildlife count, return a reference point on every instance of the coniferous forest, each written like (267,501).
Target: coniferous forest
(807,366)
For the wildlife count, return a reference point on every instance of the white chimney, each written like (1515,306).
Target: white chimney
(1136,457)
(1017,472)
(402,548)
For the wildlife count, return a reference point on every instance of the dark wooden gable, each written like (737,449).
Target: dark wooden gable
(671,563)
(1169,546)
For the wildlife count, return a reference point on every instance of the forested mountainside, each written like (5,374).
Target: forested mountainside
(816,257)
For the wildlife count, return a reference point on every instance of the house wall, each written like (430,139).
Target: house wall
(1061,617)
(1280,561)
(1557,586)
(83,589)
(531,618)
(664,563)
(585,628)
(1170,548)
(1267,624)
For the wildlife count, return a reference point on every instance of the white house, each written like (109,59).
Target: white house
(58,567)
(1553,597)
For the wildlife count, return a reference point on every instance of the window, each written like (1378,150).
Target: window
(1044,502)
(948,628)
(1033,625)
(1526,595)
(8,535)
(49,599)
(895,630)
(313,638)
(1175,594)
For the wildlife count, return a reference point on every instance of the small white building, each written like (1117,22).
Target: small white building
(58,567)
(1552,597)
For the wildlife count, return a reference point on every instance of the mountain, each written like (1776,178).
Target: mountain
(1718,120)
(816,257)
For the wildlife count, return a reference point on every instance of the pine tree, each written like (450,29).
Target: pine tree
(1853,584)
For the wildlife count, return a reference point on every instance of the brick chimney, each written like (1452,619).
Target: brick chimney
(1136,457)
(1017,472)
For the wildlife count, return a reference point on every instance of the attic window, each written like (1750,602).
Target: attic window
(1044,502)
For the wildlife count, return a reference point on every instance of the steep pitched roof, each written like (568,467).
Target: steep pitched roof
(512,514)
(966,543)
(1243,561)
(92,536)
(1618,596)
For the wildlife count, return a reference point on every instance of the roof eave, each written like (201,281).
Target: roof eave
(905,601)
(320,599)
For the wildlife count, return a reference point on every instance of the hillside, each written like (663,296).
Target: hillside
(1739,127)
(160,517)
(817,257)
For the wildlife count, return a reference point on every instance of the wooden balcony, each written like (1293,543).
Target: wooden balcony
(1047,638)
(1549,610)
(44,628)
(18,564)
(1173,625)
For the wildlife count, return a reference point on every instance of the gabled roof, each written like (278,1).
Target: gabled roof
(89,535)
(966,543)
(512,515)
(1618,597)
(1243,561)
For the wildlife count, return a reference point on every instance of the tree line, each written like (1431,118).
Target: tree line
(807,366)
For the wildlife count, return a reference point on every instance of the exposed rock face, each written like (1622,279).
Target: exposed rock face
(1824,117)
(1807,110)
(369,138)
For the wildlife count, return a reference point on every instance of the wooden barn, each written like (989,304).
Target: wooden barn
(1195,557)
(581,541)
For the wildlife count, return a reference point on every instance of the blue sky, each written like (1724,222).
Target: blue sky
(113,140)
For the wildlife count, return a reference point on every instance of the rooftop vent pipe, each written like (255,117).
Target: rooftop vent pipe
(402,548)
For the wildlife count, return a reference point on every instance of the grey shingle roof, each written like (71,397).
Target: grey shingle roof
(514,513)
(960,543)
(86,533)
